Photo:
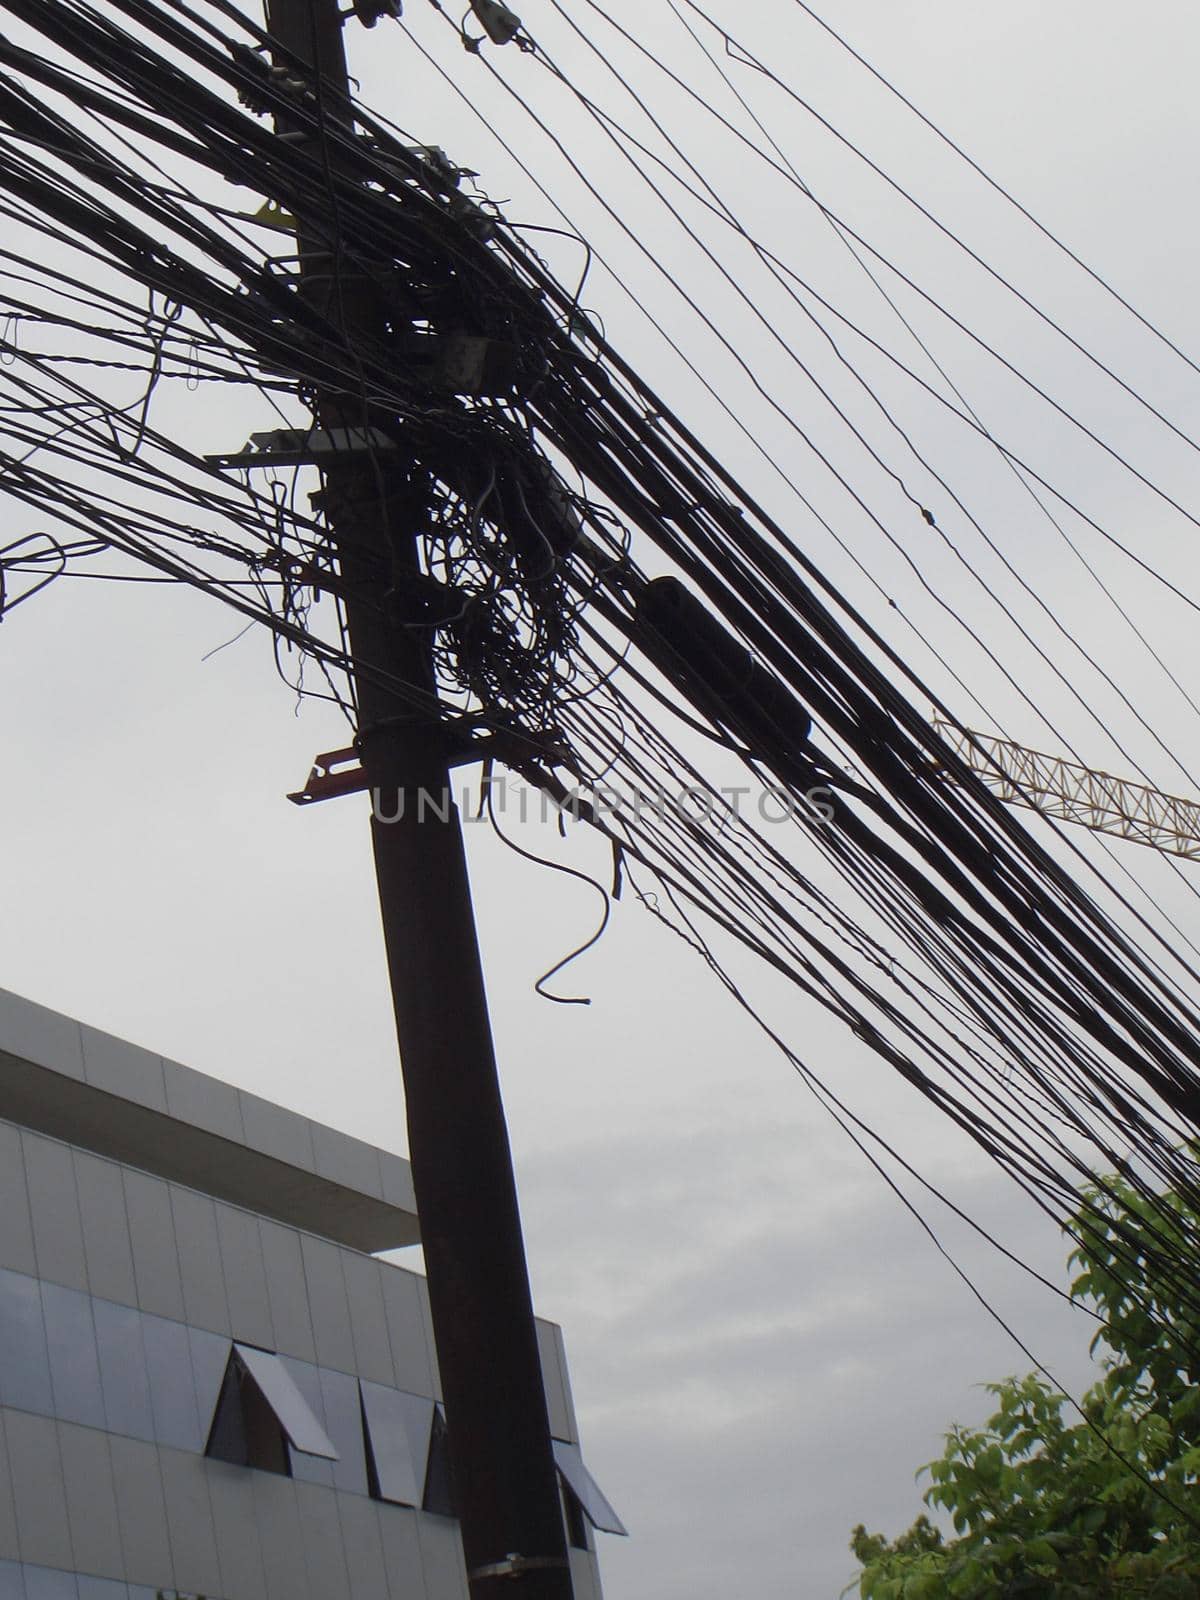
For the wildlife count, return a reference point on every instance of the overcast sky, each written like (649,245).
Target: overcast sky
(764,1344)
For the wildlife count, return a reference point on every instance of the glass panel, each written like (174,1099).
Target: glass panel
(101,1588)
(12,1581)
(343,1421)
(266,1442)
(573,1517)
(399,1426)
(585,1488)
(227,1432)
(312,1469)
(74,1366)
(123,1376)
(286,1401)
(172,1389)
(210,1357)
(439,1480)
(47,1583)
(25,1369)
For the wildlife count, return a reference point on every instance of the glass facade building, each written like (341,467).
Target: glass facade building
(210,1385)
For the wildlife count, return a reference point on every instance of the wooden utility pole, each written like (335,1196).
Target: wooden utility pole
(505,1480)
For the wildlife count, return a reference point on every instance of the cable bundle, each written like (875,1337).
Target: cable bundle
(561,493)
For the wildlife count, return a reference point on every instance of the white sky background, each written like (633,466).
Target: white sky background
(764,1345)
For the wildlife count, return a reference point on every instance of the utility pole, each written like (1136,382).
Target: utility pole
(505,1479)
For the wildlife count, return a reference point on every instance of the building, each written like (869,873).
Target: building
(210,1385)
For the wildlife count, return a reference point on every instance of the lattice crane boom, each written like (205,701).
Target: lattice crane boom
(1075,793)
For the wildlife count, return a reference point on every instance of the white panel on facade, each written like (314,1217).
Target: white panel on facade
(37,1034)
(201,1274)
(152,1235)
(203,1102)
(54,1210)
(364,1547)
(293,1412)
(397,1181)
(105,1228)
(441,1555)
(347,1161)
(406,1329)
(190,1523)
(324,1556)
(39,1496)
(124,1381)
(141,1513)
(327,1303)
(287,1291)
(123,1069)
(16,1230)
(278,1516)
(583,1576)
(402,1552)
(237,1531)
(245,1280)
(399,1428)
(276,1131)
(91,1499)
(585,1488)
(368,1322)
(9,1544)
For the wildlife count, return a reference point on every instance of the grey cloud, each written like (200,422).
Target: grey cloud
(773,1372)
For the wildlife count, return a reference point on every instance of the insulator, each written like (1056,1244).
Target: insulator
(369,12)
(499,23)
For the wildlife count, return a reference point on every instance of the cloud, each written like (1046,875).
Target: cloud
(765,1347)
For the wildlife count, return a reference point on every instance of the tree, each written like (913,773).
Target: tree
(1048,1505)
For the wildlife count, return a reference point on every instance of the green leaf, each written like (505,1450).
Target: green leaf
(1041,1503)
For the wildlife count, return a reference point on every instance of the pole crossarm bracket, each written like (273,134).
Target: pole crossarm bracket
(339,772)
(516,1566)
(293,447)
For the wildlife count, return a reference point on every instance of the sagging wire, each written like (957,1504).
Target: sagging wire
(488,785)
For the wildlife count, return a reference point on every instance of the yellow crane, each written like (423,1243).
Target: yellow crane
(1075,793)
